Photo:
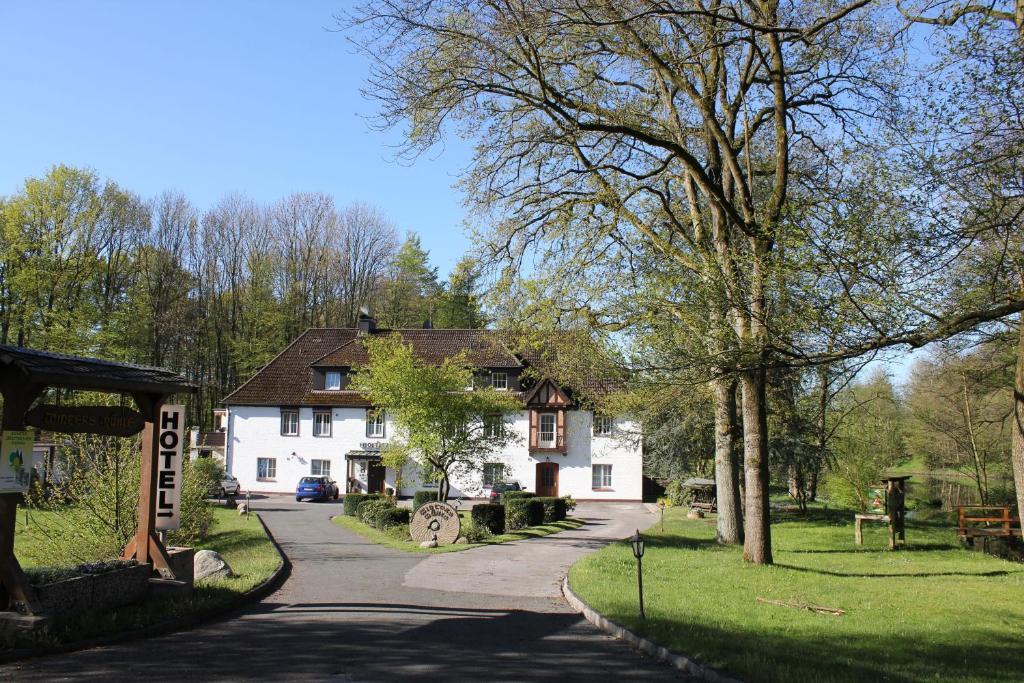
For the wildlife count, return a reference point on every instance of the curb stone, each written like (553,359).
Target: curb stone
(649,648)
(254,594)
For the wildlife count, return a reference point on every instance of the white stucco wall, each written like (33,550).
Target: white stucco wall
(254,432)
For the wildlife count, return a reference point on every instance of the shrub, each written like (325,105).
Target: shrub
(369,511)
(512,495)
(523,512)
(352,501)
(570,504)
(490,516)
(554,509)
(477,534)
(392,517)
(421,497)
(677,495)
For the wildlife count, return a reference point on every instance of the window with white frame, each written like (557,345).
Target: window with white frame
(494,473)
(494,426)
(320,468)
(546,433)
(321,423)
(289,422)
(499,381)
(332,382)
(601,476)
(266,469)
(603,425)
(375,424)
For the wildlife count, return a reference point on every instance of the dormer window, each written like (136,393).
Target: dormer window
(603,425)
(499,381)
(332,382)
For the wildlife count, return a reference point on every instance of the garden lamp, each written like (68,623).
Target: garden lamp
(638,552)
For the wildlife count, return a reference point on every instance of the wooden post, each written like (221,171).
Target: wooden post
(858,531)
(146,547)
(18,396)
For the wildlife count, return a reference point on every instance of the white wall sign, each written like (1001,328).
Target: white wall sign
(169,432)
(16,460)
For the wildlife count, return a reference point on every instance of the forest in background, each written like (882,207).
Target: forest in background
(88,267)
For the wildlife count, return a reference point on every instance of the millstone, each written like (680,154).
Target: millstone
(435,519)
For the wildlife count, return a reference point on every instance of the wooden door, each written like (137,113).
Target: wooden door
(375,479)
(547,479)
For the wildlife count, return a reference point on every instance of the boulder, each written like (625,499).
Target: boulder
(695,513)
(243,509)
(461,540)
(428,544)
(210,565)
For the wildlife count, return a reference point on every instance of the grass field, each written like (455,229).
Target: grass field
(929,612)
(241,541)
(398,537)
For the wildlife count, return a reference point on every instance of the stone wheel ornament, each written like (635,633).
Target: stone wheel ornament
(438,519)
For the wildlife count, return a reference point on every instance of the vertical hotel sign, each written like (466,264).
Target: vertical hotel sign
(170,451)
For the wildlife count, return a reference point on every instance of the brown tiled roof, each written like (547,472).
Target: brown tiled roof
(287,379)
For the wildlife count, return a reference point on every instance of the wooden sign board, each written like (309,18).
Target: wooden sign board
(107,420)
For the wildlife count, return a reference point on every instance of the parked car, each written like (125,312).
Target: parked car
(494,492)
(316,488)
(229,486)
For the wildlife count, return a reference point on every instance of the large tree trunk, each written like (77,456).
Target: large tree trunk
(727,476)
(1017,448)
(757,542)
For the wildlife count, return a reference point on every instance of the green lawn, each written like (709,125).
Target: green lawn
(241,541)
(398,538)
(930,612)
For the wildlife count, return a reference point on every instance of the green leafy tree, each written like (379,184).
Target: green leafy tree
(869,440)
(411,288)
(447,430)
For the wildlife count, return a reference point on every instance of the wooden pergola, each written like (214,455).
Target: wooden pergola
(24,375)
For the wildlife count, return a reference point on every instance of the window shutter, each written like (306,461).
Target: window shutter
(533,429)
(560,440)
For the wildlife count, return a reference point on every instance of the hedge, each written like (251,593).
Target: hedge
(490,516)
(393,517)
(352,501)
(555,509)
(523,512)
(369,511)
(511,495)
(421,497)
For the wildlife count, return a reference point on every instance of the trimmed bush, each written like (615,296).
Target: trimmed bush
(421,497)
(570,504)
(555,509)
(393,517)
(477,534)
(352,501)
(369,511)
(490,516)
(513,495)
(523,512)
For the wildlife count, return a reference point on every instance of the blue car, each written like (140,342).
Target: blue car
(316,488)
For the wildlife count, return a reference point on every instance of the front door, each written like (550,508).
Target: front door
(547,479)
(375,479)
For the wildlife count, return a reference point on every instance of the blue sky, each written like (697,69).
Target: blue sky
(208,98)
(255,97)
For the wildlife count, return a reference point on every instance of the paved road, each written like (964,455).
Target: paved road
(355,611)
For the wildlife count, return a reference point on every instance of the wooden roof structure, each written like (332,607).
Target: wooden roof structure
(90,374)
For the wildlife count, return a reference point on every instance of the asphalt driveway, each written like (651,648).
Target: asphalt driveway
(355,611)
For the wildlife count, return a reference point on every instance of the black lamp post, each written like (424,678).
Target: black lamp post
(638,552)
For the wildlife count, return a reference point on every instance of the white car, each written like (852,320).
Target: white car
(229,486)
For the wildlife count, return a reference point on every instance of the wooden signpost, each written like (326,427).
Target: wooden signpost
(25,374)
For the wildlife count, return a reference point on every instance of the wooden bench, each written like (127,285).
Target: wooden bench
(989,515)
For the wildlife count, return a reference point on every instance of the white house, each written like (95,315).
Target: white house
(296,417)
